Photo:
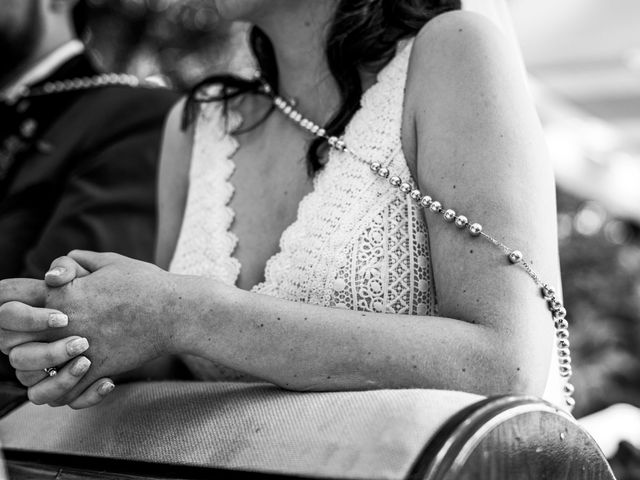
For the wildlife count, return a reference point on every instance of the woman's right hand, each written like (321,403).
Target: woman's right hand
(66,352)
(118,307)
(24,317)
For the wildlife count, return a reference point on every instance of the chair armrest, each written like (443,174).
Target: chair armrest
(242,427)
(512,437)
(201,430)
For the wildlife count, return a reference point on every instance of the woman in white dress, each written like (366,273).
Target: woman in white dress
(345,257)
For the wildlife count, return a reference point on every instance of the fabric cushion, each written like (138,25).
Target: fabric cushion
(252,427)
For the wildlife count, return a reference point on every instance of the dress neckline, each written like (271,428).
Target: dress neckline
(234,123)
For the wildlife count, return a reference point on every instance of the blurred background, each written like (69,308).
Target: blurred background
(583,58)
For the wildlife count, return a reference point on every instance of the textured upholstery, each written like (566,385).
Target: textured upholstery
(253,427)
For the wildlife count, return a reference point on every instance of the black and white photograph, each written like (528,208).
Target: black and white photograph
(319,239)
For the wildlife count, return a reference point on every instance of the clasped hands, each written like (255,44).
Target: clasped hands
(94,316)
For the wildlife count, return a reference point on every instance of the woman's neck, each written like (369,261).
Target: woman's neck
(298,34)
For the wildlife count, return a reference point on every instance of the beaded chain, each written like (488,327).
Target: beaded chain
(515,257)
(82,83)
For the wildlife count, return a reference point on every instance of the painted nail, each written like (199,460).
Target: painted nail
(55,272)
(58,320)
(77,346)
(80,367)
(106,388)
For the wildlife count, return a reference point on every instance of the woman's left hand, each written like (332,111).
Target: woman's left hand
(120,308)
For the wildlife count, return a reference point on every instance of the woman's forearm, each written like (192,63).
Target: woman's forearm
(306,347)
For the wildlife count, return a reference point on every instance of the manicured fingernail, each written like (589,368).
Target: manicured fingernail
(106,388)
(55,272)
(58,320)
(77,346)
(80,367)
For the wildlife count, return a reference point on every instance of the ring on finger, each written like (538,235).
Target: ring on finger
(51,371)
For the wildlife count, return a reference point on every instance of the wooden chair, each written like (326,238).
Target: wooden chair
(192,430)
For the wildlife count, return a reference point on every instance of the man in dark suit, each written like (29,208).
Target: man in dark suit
(78,149)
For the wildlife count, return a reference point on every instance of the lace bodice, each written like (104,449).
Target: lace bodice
(355,244)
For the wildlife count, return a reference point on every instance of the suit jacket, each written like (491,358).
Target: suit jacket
(83,172)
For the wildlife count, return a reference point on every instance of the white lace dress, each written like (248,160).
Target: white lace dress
(356,244)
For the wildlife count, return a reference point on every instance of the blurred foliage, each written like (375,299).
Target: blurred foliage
(600,261)
(600,256)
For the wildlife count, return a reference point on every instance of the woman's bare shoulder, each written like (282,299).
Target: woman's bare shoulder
(459,34)
(480,150)
(466,82)
(173,182)
(177,141)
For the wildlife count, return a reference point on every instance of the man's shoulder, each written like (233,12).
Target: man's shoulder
(134,100)
(104,113)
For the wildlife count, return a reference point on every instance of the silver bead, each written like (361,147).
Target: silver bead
(322,132)
(383,172)
(562,324)
(449,215)
(554,304)
(405,187)
(562,334)
(416,195)
(461,221)
(315,129)
(435,206)
(375,166)
(564,352)
(395,181)
(564,361)
(568,389)
(340,145)
(28,128)
(565,371)
(426,201)
(548,292)
(560,313)
(475,229)
(570,402)
(563,343)
(515,256)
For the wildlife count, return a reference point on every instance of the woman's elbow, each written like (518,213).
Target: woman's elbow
(521,371)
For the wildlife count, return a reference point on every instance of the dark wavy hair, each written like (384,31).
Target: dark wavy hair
(362,38)
(80,17)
